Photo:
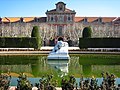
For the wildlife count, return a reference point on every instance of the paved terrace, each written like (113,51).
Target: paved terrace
(47,50)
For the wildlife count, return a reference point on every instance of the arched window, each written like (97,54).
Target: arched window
(61,18)
(69,18)
(60,7)
(51,18)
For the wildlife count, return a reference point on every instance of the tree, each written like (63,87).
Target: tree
(87,32)
(35,33)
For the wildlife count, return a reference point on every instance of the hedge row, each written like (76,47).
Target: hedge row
(99,42)
(19,42)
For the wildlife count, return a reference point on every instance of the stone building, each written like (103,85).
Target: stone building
(60,22)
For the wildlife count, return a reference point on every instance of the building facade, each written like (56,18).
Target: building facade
(60,22)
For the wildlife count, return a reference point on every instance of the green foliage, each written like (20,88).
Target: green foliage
(99,42)
(87,32)
(35,33)
(38,42)
(2,42)
(86,69)
(24,83)
(22,42)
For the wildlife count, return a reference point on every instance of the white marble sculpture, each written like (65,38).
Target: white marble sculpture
(60,51)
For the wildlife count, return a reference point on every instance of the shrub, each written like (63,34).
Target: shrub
(2,42)
(18,42)
(87,32)
(35,33)
(99,42)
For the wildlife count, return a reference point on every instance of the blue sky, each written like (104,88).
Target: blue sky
(37,8)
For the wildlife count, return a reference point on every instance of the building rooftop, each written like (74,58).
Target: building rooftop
(77,19)
(25,19)
(66,11)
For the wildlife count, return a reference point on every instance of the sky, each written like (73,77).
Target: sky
(37,8)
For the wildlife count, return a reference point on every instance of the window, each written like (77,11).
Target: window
(60,18)
(60,7)
(68,18)
(51,18)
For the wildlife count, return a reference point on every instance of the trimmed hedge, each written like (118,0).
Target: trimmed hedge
(18,42)
(35,33)
(99,42)
(87,32)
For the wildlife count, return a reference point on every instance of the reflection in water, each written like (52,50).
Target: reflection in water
(23,64)
(60,65)
(86,69)
(38,65)
(89,65)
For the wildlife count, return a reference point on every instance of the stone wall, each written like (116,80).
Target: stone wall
(18,29)
(46,31)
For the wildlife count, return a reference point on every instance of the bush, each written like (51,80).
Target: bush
(2,42)
(35,33)
(87,32)
(99,42)
(22,42)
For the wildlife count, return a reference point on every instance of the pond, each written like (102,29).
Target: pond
(36,66)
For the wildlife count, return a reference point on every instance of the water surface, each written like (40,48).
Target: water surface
(36,66)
